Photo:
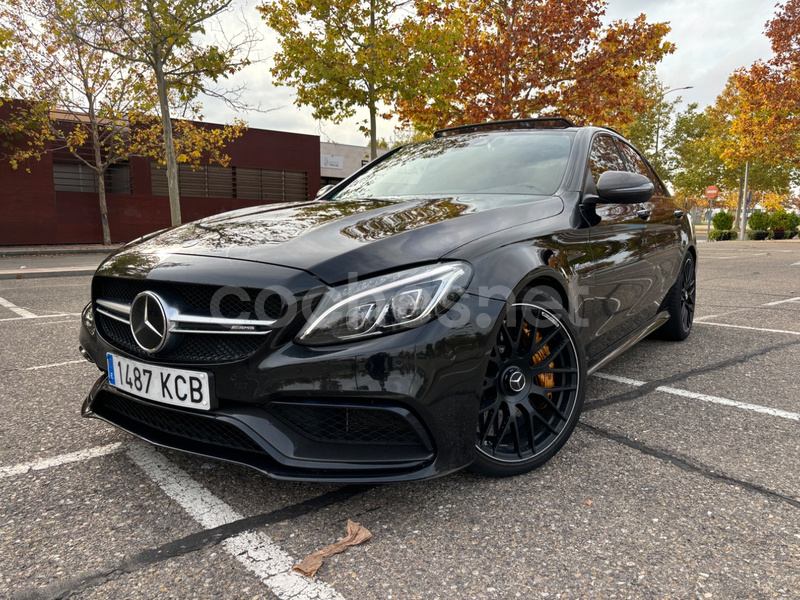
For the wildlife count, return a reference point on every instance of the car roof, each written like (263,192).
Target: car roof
(518,124)
(510,124)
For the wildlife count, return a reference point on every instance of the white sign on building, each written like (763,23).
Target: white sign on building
(330,161)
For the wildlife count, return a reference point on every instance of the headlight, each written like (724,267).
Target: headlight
(87,316)
(386,304)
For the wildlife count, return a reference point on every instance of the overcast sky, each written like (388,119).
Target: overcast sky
(713,38)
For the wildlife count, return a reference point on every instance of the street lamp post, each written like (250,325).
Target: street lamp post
(658,124)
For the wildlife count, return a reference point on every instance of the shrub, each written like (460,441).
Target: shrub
(723,221)
(722,235)
(794,223)
(780,220)
(759,221)
(759,234)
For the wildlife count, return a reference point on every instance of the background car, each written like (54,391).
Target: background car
(441,308)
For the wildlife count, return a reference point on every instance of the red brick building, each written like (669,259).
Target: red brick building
(54,200)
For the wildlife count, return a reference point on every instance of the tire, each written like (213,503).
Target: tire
(533,390)
(680,304)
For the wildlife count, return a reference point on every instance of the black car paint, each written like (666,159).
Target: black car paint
(607,271)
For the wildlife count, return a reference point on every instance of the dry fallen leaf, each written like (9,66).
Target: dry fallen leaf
(356,534)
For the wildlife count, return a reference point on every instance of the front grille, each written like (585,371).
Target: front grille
(196,297)
(190,299)
(195,348)
(200,428)
(348,424)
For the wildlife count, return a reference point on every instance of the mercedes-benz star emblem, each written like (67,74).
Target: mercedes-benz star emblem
(149,323)
(515,380)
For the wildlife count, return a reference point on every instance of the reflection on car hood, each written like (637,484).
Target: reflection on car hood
(334,238)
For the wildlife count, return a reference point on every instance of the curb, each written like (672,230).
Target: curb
(55,251)
(39,273)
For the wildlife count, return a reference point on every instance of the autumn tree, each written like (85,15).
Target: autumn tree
(550,57)
(342,55)
(69,95)
(174,42)
(697,145)
(650,129)
(766,124)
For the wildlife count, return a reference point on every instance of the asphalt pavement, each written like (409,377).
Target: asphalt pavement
(681,480)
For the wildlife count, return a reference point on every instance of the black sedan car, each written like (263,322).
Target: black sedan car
(439,309)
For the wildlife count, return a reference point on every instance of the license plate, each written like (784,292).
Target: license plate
(178,387)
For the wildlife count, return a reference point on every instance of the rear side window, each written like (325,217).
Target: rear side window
(637,164)
(604,157)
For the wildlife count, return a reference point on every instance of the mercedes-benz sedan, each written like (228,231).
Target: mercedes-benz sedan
(441,308)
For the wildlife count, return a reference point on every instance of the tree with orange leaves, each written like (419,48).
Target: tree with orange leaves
(523,58)
(766,122)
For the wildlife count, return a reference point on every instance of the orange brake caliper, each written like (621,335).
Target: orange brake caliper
(545,380)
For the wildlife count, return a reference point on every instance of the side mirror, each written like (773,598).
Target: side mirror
(624,187)
(324,190)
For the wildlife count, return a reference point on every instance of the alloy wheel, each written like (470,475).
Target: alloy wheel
(531,387)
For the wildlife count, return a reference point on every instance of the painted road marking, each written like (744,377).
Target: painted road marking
(782,302)
(739,310)
(50,366)
(773,412)
(255,551)
(749,328)
(56,461)
(25,314)
(40,316)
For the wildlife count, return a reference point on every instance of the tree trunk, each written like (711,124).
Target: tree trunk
(99,172)
(101,192)
(169,146)
(373,133)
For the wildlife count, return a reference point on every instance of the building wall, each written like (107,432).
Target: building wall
(32,212)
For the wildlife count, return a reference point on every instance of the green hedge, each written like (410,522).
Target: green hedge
(758,234)
(722,235)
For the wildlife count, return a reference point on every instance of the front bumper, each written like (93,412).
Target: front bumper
(395,408)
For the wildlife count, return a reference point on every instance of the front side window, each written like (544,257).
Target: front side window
(604,157)
(518,163)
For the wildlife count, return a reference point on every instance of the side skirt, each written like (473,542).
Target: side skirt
(631,340)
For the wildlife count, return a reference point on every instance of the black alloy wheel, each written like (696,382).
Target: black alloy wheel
(681,304)
(532,393)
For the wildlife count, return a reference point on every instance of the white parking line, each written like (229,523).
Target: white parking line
(25,314)
(56,461)
(40,316)
(786,331)
(255,551)
(782,301)
(773,412)
(50,366)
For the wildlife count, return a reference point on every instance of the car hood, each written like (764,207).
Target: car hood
(331,239)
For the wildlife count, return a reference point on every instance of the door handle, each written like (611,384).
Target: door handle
(678,213)
(643,214)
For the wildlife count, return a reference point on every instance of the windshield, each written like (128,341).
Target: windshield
(501,162)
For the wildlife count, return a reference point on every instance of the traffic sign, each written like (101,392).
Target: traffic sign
(712,191)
